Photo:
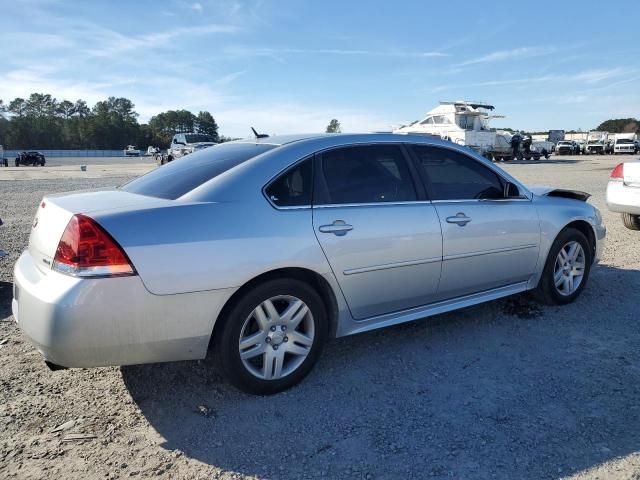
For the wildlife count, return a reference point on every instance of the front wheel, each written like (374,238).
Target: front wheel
(632,222)
(567,268)
(272,336)
(17,162)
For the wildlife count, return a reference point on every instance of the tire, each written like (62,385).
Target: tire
(17,162)
(5,161)
(547,291)
(546,156)
(42,162)
(169,158)
(246,374)
(632,222)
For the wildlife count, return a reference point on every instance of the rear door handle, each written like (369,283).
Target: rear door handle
(338,227)
(460,218)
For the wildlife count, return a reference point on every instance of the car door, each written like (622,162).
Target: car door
(488,241)
(380,235)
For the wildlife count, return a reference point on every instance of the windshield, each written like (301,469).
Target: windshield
(564,143)
(180,176)
(624,140)
(198,137)
(591,142)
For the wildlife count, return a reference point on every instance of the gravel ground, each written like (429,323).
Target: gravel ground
(509,389)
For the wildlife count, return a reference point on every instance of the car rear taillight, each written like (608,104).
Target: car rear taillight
(86,250)
(618,172)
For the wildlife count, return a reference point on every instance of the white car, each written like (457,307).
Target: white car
(623,193)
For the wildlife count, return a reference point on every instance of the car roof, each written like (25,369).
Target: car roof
(280,140)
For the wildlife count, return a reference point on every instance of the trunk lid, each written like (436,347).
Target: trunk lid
(632,174)
(55,211)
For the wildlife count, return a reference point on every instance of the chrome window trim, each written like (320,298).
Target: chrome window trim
(370,204)
(484,200)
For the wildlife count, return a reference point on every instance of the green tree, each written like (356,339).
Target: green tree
(334,126)
(205,123)
(619,125)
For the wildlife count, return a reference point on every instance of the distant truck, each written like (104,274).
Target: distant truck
(556,136)
(186,143)
(596,143)
(625,143)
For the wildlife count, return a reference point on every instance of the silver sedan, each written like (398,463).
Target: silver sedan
(263,249)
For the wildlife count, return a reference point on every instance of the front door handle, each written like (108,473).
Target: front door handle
(338,227)
(460,218)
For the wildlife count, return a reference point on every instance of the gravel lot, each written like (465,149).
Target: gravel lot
(509,389)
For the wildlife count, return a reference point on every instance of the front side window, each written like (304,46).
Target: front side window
(428,121)
(293,188)
(454,176)
(367,174)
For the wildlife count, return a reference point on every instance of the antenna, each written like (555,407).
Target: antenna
(259,135)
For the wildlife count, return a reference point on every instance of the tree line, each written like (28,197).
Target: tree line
(41,121)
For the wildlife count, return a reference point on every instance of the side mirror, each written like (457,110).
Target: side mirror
(511,190)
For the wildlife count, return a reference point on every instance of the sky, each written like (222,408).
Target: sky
(291,66)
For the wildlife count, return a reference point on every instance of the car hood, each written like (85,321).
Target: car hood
(546,191)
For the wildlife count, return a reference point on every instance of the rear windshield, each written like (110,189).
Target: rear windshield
(183,175)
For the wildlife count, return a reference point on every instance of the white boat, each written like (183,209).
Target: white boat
(462,122)
(131,151)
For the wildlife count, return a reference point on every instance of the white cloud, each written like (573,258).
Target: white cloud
(197,7)
(516,54)
(275,51)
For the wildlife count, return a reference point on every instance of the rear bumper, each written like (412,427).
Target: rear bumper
(623,198)
(110,321)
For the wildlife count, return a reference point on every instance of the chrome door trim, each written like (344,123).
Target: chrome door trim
(386,266)
(489,252)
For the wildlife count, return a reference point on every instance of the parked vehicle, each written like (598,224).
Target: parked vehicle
(545,147)
(623,193)
(32,158)
(555,136)
(503,151)
(462,122)
(186,143)
(131,151)
(264,248)
(567,147)
(5,161)
(2,252)
(596,143)
(625,143)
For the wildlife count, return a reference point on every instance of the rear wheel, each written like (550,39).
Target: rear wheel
(567,268)
(632,222)
(17,162)
(272,336)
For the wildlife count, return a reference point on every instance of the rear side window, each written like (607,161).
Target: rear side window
(180,176)
(368,174)
(455,176)
(293,188)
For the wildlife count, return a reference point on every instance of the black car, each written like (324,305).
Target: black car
(30,158)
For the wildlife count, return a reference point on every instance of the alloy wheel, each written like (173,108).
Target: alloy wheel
(569,268)
(276,337)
